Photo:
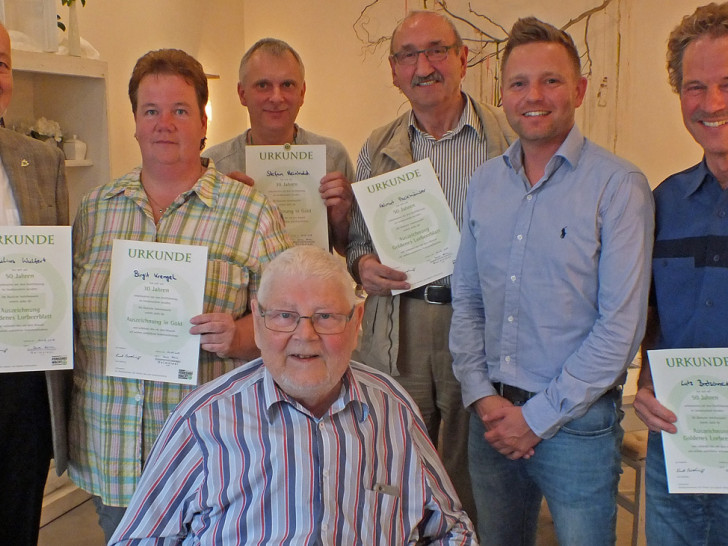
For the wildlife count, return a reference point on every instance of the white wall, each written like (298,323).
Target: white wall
(650,128)
(349,93)
(123,30)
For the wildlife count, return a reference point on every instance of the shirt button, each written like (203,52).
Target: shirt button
(321,426)
(138,398)
(508,359)
(721,214)
(529,197)
(519,236)
(709,303)
(513,278)
(510,318)
(716,258)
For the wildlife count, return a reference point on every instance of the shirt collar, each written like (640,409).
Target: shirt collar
(205,188)
(296,134)
(349,396)
(570,151)
(702,176)
(468,118)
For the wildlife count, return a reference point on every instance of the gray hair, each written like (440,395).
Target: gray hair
(415,13)
(275,47)
(307,262)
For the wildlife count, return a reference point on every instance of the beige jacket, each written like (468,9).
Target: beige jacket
(389,149)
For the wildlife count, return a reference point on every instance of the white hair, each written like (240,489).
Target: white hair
(307,262)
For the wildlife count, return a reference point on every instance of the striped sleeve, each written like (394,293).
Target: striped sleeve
(360,242)
(171,481)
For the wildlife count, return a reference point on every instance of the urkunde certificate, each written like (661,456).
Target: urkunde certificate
(290,177)
(36,316)
(693,383)
(154,291)
(410,222)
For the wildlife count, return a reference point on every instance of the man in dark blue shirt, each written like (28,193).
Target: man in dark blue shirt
(689,303)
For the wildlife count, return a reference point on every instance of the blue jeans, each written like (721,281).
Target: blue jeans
(680,519)
(109,516)
(577,471)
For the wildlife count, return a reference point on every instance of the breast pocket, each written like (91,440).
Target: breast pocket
(226,288)
(381,514)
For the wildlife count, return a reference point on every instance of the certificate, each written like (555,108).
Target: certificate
(410,222)
(290,177)
(154,291)
(36,315)
(693,383)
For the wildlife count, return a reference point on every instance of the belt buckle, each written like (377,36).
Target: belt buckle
(427,295)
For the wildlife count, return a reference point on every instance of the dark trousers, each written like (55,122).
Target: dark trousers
(26,449)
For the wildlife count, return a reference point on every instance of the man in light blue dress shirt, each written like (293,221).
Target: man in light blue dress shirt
(549,300)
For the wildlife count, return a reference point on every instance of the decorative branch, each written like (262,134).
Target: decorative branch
(587,14)
(486,44)
(476,28)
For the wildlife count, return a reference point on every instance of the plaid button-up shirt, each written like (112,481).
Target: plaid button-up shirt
(114,421)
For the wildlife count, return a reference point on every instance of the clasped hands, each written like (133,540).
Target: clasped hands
(507,430)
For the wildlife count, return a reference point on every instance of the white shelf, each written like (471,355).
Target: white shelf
(71,91)
(79,163)
(64,65)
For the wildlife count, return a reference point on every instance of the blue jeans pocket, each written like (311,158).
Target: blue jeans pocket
(599,419)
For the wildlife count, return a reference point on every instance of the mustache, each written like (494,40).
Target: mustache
(702,115)
(434,77)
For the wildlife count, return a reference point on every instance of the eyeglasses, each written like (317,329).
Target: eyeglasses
(278,320)
(434,54)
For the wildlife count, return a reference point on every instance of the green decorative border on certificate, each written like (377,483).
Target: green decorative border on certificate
(55,292)
(434,222)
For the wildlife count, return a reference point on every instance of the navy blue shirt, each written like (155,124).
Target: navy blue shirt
(690,260)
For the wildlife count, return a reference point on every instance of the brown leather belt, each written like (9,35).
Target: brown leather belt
(431,293)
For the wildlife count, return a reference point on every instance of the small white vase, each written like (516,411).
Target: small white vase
(74,149)
(74,35)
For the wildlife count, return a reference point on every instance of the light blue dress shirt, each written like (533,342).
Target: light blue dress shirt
(551,281)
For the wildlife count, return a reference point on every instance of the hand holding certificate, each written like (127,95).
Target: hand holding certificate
(154,290)
(410,222)
(36,319)
(289,176)
(693,383)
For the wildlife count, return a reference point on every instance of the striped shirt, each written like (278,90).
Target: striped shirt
(114,421)
(454,157)
(240,462)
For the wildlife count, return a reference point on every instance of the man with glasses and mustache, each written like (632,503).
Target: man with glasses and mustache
(301,446)
(407,336)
